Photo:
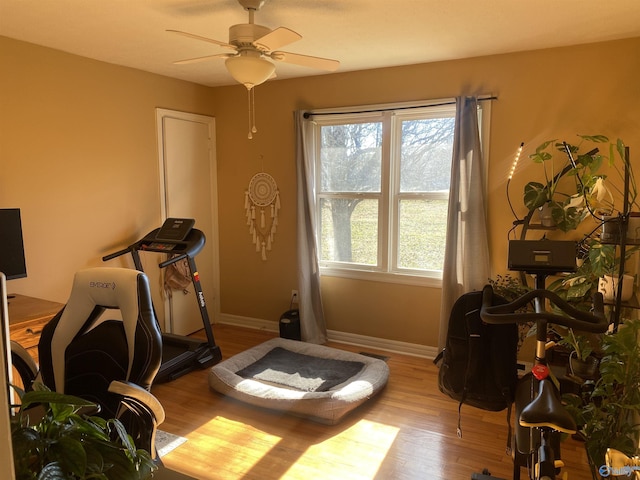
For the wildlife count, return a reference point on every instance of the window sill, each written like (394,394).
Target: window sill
(384,277)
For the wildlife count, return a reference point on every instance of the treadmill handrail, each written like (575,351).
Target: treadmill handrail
(116,254)
(175,259)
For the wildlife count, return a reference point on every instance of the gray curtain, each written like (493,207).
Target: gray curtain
(466,262)
(312,322)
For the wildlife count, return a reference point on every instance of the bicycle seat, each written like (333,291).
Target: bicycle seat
(546,410)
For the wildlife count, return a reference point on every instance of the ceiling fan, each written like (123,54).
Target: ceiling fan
(254,46)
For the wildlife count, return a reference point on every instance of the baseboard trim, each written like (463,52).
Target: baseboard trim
(248,322)
(394,346)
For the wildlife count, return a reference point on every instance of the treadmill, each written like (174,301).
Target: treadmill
(180,354)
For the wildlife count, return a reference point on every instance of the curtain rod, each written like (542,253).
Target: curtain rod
(310,114)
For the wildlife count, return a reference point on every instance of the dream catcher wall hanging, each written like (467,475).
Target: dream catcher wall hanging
(261,203)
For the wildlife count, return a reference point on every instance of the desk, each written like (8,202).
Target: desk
(27,317)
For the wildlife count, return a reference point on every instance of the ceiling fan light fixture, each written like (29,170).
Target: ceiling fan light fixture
(250,70)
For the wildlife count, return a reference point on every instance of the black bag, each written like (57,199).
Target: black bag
(479,361)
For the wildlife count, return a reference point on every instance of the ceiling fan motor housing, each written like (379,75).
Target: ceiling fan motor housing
(246,33)
(251,4)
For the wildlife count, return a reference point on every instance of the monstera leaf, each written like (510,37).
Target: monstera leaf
(535,195)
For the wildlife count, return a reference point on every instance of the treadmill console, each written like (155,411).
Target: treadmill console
(160,247)
(176,236)
(175,229)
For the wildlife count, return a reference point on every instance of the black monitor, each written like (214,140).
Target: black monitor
(12,262)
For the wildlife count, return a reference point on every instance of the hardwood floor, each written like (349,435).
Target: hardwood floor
(407,432)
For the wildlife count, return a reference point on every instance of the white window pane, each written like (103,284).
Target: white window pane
(422,233)
(426,151)
(349,230)
(350,159)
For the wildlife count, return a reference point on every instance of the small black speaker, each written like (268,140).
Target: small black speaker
(290,325)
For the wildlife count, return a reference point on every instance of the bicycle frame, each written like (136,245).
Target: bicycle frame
(541,417)
(542,447)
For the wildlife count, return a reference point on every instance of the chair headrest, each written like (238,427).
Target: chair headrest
(94,288)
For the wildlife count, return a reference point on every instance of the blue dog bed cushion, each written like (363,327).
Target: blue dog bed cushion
(314,381)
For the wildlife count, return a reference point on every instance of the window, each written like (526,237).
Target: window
(382,190)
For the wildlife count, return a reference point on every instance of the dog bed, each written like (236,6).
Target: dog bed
(314,381)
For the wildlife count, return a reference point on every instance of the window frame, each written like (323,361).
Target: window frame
(389,197)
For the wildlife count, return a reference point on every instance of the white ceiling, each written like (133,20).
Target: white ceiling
(361,34)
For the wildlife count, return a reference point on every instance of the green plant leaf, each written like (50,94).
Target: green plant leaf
(118,466)
(62,411)
(95,462)
(35,397)
(601,258)
(566,218)
(607,415)
(595,138)
(87,427)
(540,154)
(621,148)
(579,288)
(125,439)
(52,471)
(535,195)
(71,445)
(70,455)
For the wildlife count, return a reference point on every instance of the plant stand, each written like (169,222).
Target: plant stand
(622,242)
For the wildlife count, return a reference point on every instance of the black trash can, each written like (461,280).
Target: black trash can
(290,325)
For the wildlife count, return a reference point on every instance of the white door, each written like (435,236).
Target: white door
(188,184)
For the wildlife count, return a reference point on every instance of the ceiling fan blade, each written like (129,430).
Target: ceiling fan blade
(306,61)
(204,39)
(202,59)
(277,38)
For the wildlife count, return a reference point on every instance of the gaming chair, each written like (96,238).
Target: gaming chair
(83,351)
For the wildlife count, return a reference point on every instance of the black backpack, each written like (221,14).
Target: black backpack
(479,361)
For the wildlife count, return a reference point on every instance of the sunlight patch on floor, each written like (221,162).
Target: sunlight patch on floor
(246,446)
(359,450)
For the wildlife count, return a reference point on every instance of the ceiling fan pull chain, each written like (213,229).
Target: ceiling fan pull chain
(250,135)
(253,110)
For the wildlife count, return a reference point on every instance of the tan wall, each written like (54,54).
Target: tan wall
(78,155)
(542,94)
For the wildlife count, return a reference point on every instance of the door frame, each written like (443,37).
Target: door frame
(161,114)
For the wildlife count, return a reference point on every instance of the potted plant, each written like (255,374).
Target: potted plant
(567,210)
(607,415)
(582,364)
(599,260)
(575,188)
(53,440)
(589,193)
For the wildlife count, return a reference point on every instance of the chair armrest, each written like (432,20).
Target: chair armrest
(131,390)
(24,364)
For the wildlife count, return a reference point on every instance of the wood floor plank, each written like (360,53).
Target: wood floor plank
(407,432)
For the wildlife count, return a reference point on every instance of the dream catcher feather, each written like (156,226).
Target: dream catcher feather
(261,203)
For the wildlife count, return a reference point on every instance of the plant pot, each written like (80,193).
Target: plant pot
(585,369)
(611,228)
(608,286)
(546,215)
